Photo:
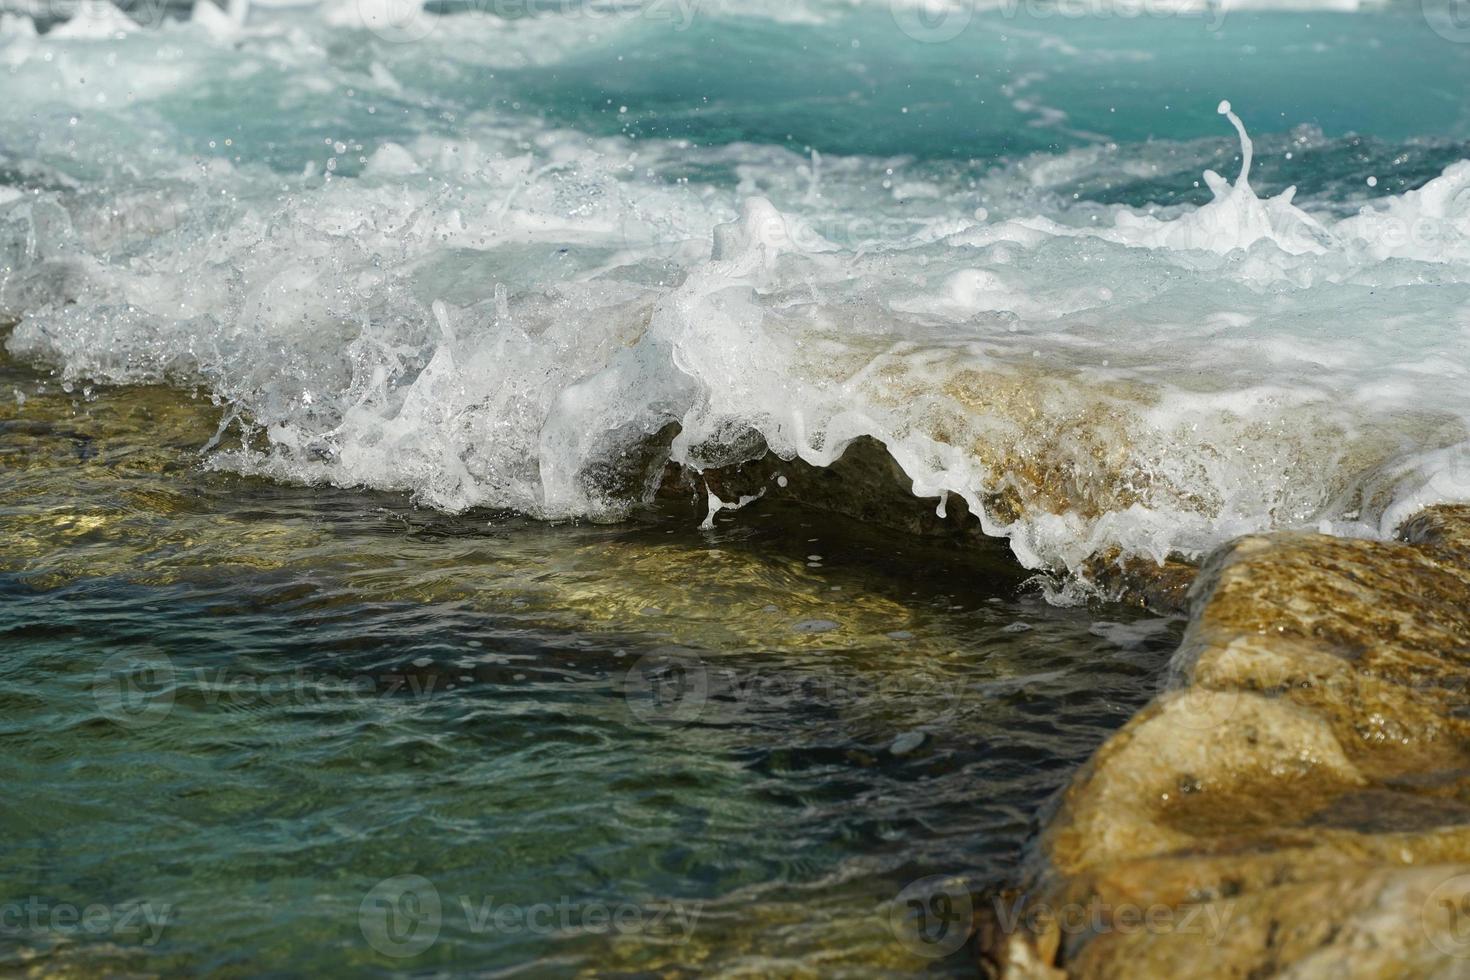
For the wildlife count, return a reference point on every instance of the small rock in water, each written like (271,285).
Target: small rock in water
(1016,628)
(900,635)
(814,626)
(908,742)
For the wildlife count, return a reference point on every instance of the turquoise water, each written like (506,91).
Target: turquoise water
(297,765)
(340,608)
(843,86)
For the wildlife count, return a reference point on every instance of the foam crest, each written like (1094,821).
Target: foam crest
(1235,219)
(510,312)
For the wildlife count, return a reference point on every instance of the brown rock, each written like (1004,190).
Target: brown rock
(1298,804)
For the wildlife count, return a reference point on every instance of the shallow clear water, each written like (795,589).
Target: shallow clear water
(239,707)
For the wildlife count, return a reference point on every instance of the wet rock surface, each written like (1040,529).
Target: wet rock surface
(1298,804)
(867,484)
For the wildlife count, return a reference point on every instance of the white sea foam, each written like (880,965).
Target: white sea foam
(507,313)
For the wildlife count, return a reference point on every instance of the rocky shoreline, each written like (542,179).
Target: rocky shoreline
(1298,801)
(1297,804)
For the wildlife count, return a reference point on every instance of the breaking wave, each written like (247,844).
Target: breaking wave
(1100,346)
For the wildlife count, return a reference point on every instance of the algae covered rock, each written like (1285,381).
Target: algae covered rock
(1298,803)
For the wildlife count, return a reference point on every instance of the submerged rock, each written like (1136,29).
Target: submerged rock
(1297,804)
(908,743)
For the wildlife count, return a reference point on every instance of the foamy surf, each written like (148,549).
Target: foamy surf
(511,312)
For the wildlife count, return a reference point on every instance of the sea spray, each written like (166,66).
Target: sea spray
(512,313)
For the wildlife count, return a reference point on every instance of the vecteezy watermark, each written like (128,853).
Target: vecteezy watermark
(937,21)
(669,686)
(1200,709)
(404,21)
(35,917)
(1209,920)
(1445,916)
(933,916)
(403,917)
(932,21)
(139,687)
(397,21)
(675,687)
(1450,19)
(135,687)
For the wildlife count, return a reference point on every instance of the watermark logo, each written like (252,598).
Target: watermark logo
(933,916)
(667,687)
(1201,709)
(1209,920)
(135,688)
(1445,917)
(1450,19)
(676,687)
(397,21)
(932,21)
(401,917)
